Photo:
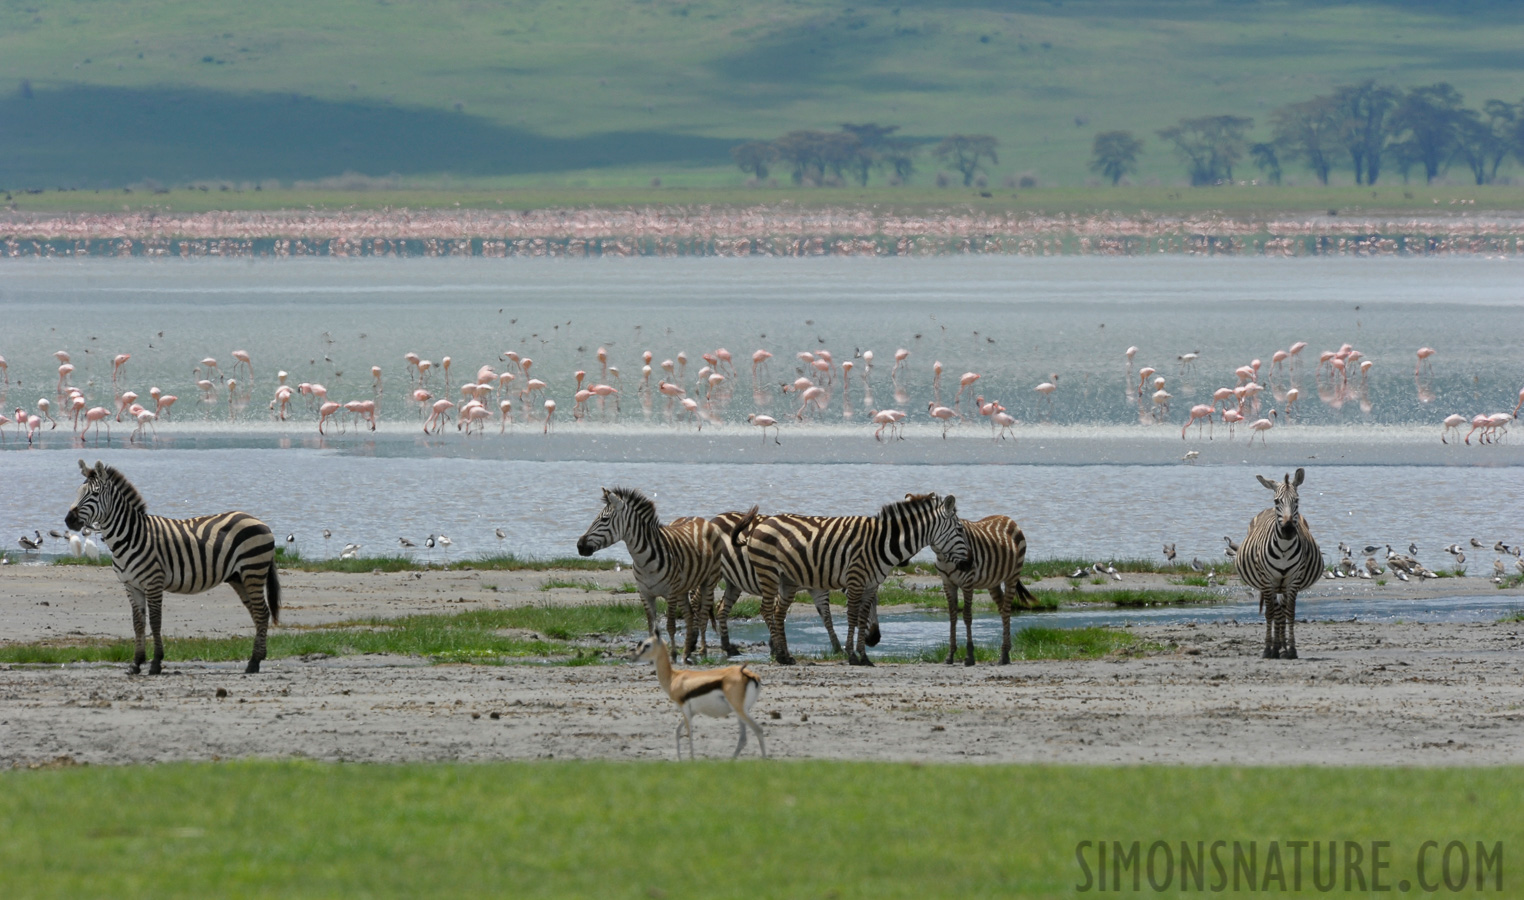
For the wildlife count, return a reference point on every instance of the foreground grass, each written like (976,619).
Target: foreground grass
(586,829)
(468,637)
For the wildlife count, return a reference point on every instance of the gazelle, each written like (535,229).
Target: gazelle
(713,692)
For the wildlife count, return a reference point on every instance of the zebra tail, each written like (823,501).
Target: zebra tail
(741,534)
(1026,596)
(272,594)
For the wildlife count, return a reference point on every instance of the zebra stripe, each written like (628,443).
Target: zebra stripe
(1279,558)
(154,554)
(853,554)
(997,550)
(671,561)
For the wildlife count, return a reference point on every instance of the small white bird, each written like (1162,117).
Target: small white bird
(91,551)
(76,545)
(444,541)
(501,535)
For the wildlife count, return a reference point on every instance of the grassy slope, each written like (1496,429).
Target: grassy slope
(540,80)
(764,829)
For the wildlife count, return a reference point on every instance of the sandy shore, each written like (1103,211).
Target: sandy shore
(1388,694)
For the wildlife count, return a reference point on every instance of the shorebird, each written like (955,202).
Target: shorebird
(1169,552)
(501,535)
(406,544)
(1231,549)
(29,545)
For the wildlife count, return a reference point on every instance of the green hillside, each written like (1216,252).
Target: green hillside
(610,92)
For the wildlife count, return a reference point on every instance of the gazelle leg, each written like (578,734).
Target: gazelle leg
(742,742)
(680,723)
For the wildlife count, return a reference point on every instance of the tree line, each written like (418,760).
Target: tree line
(1368,127)
(857,151)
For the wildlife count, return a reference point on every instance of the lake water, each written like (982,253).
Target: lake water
(1090,473)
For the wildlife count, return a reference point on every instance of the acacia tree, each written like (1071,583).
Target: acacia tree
(1484,145)
(1429,121)
(754,157)
(1114,154)
(965,151)
(1309,131)
(1362,110)
(1209,146)
(1266,160)
(872,142)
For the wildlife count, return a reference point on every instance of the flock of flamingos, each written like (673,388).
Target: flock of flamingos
(507,387)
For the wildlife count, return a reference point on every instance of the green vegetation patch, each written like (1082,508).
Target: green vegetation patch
(474,636)
(606,829)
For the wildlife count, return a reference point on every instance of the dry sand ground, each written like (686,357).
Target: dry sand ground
(1363,693)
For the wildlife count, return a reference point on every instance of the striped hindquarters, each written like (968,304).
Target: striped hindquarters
(1279,558)
(811,551)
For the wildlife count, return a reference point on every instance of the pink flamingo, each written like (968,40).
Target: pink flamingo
(605,391)
(1143,375)
(505,410)
(117,363)
(424,368)
(32,424)
(579,406)
(867,364)
(1291,397)
(94,416)
(758,358)
(64,371)
(5,370)
(1277,359)
(764,423)
(936,380)
(724,357)
(682,365)
(44,407)
(1477,422)
(444,364)
(900,356)
(810,395)
(144,417)
(281,402)
(211,364)
(550,410)
(1260,426)
(715,380)
(691,407)
(1452,422)
(966,379)
(241,358)
(375,378)
(1230,418)
(437,416)
(1006,423)
(1198,412)
(4,421)
(1130,353)
(61,355)
(603,360)
(1046,389)
(1223,396)
(1521,404)
(412,363)
(327,409)
(943,413)
(1423,359)
(126,399)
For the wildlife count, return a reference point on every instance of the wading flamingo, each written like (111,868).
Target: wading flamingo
(764,423)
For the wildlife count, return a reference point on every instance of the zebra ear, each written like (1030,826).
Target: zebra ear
(84,468)
(1300,474)
(950,503)
(1266,482)
(100,468)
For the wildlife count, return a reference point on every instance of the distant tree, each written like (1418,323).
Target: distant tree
(1428,120)
(899,155)
(843,152)
(1363,109)
(1309,131)
(1209,146)
(754,157)
(1114,154)
(964,152)
(1266,160)
(805,153)
(872,143)
(1485,145)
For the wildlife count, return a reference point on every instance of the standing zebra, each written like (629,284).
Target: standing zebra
(1279,558)
(997,550)
(671,561)
(741,576)
(154,554)
(853,554)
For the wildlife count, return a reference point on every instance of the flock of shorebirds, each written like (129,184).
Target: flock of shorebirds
(1404,566)
(509,386)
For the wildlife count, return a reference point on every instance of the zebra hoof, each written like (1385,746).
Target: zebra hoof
(154,668)
(1288,653)
(1270,654)
(252,668)
(970,659)
(1005,657)
(861,661)
(729,650)
(952,657)
(134,669)
(784,660)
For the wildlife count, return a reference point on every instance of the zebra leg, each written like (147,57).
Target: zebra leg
(823,606)
(732,594)
(952,621)
(1290,650)
(1003,603)
(139,605)
(968,624)
(1267,602)
(650,603)
(672,621)
(252,592)
(857,608)
(155,621)
(775,613)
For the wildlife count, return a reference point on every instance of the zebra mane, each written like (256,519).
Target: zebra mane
(888,509)
(126,492)
(641,505)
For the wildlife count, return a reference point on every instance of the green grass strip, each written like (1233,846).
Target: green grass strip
(763,829)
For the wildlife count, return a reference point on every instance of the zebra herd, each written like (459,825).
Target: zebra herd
(771,556)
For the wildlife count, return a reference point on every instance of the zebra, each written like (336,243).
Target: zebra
(997,549)
(1280,558)
(671,561)
(154,554)
(741,576)
(853,554)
